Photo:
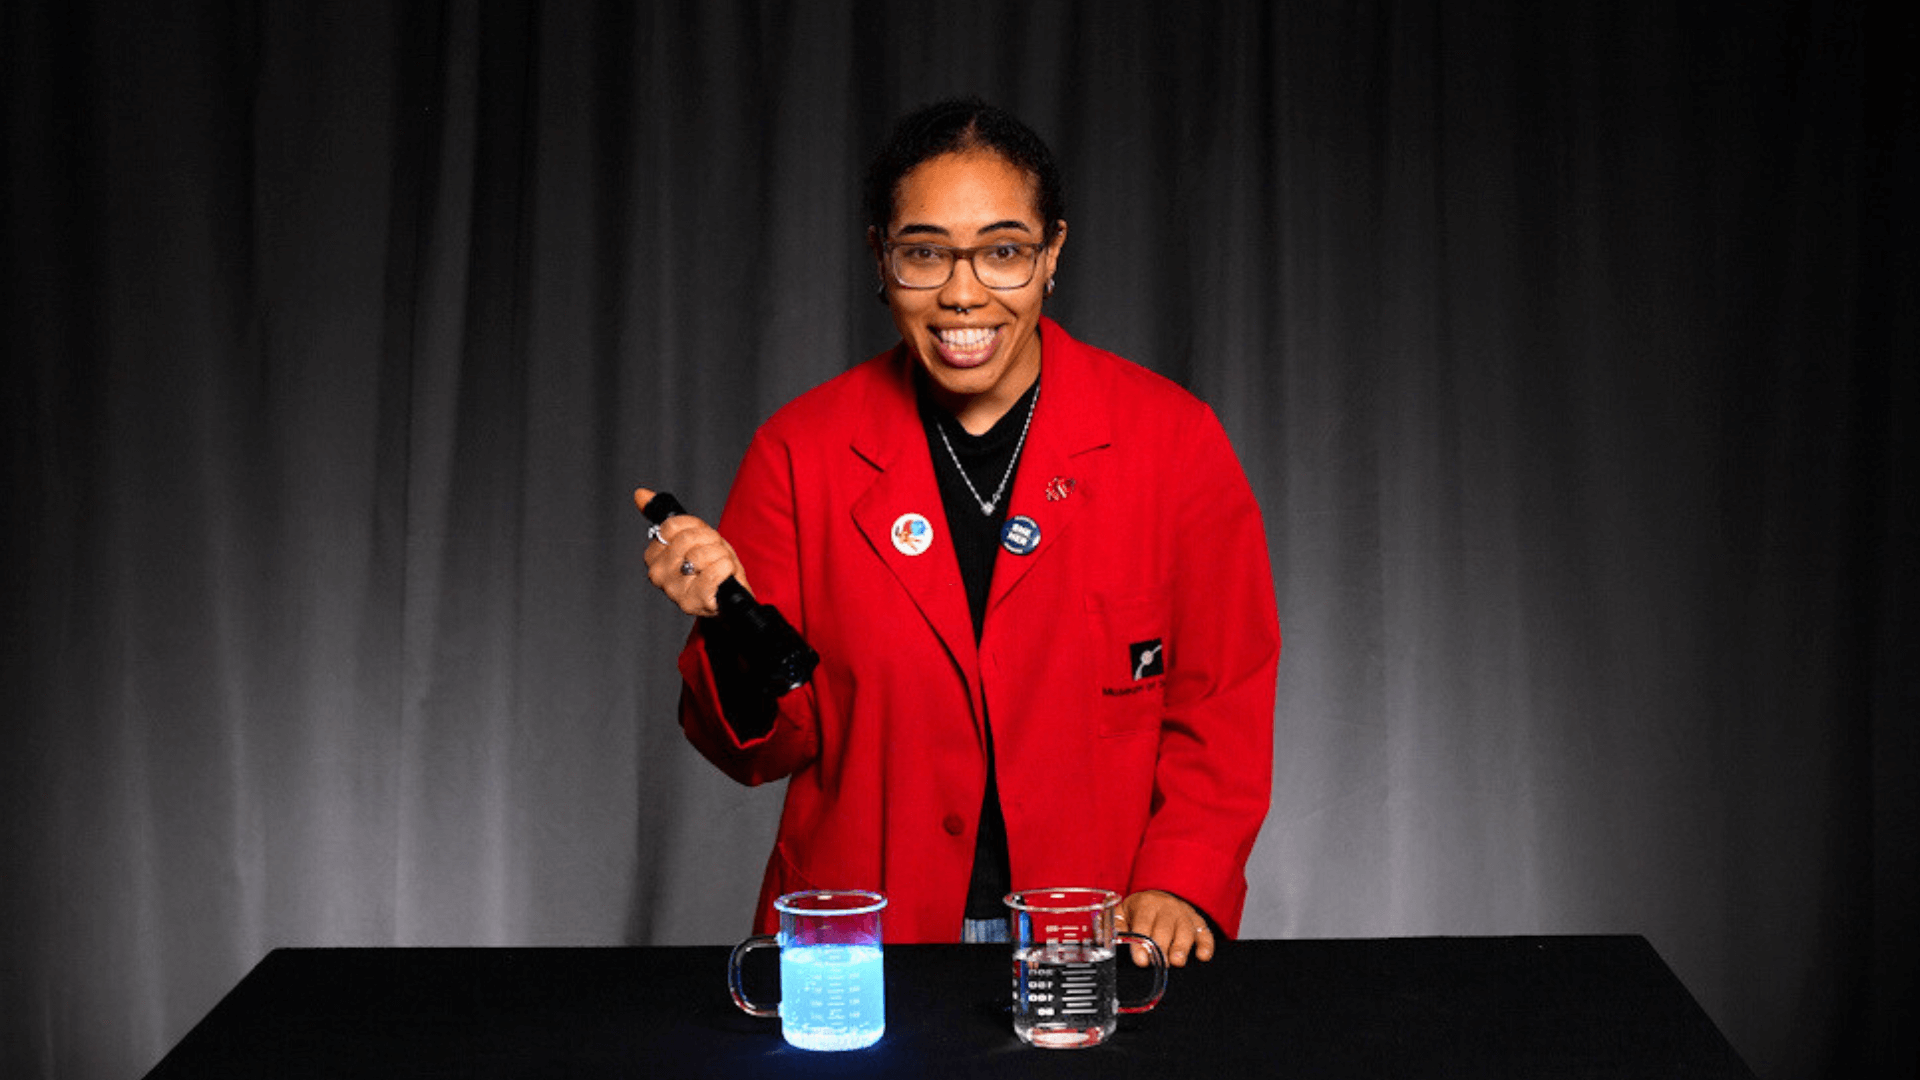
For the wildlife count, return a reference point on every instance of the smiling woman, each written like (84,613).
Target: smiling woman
(1025,683)
(1561,342)
(972,323)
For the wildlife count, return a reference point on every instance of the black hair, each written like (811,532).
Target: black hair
(958,125)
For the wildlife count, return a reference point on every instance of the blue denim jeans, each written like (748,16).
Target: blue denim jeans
(985,931)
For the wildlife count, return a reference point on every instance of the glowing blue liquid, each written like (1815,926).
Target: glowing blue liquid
(832,996)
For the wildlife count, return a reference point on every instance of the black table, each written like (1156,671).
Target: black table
(1400,1007)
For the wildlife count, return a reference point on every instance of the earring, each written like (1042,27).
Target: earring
(1049,287)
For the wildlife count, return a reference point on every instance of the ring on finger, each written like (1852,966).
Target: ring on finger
(687,569)
(653,534)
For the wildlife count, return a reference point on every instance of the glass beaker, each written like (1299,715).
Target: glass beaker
(1065,975)
(832,993)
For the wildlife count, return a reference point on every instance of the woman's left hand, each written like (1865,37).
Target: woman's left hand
(1173,924)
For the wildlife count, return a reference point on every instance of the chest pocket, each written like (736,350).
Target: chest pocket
(1127,636)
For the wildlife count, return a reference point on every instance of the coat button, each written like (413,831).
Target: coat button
(953,824)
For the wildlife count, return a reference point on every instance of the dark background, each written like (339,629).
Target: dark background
(1569,349)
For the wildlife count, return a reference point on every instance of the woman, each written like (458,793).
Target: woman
(1034,572)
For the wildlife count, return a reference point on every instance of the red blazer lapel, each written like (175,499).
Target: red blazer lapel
(904,495)
(1059,470)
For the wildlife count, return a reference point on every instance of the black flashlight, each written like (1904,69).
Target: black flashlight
(774,652)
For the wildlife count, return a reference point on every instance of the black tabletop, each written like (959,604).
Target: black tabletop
(1400,1007)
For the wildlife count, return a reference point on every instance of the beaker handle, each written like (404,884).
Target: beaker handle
(734,982)
(1159,973)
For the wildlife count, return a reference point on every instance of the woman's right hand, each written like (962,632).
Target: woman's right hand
(682,543)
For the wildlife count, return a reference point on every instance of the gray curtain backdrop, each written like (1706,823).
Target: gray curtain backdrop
(1569,349)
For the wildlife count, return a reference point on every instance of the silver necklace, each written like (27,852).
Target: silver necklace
(987,505)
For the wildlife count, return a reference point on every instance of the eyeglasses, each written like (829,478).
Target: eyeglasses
(1005,265)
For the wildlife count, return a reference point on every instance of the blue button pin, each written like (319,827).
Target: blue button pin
(1020,535)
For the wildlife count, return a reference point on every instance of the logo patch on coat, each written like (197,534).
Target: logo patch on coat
(1146,659)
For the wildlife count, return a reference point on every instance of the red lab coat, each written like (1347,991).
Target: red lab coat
(1148,532)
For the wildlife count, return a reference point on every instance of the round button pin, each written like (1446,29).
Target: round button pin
(1020,535)
(912,534)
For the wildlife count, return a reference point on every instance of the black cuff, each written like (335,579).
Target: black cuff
(745,704)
